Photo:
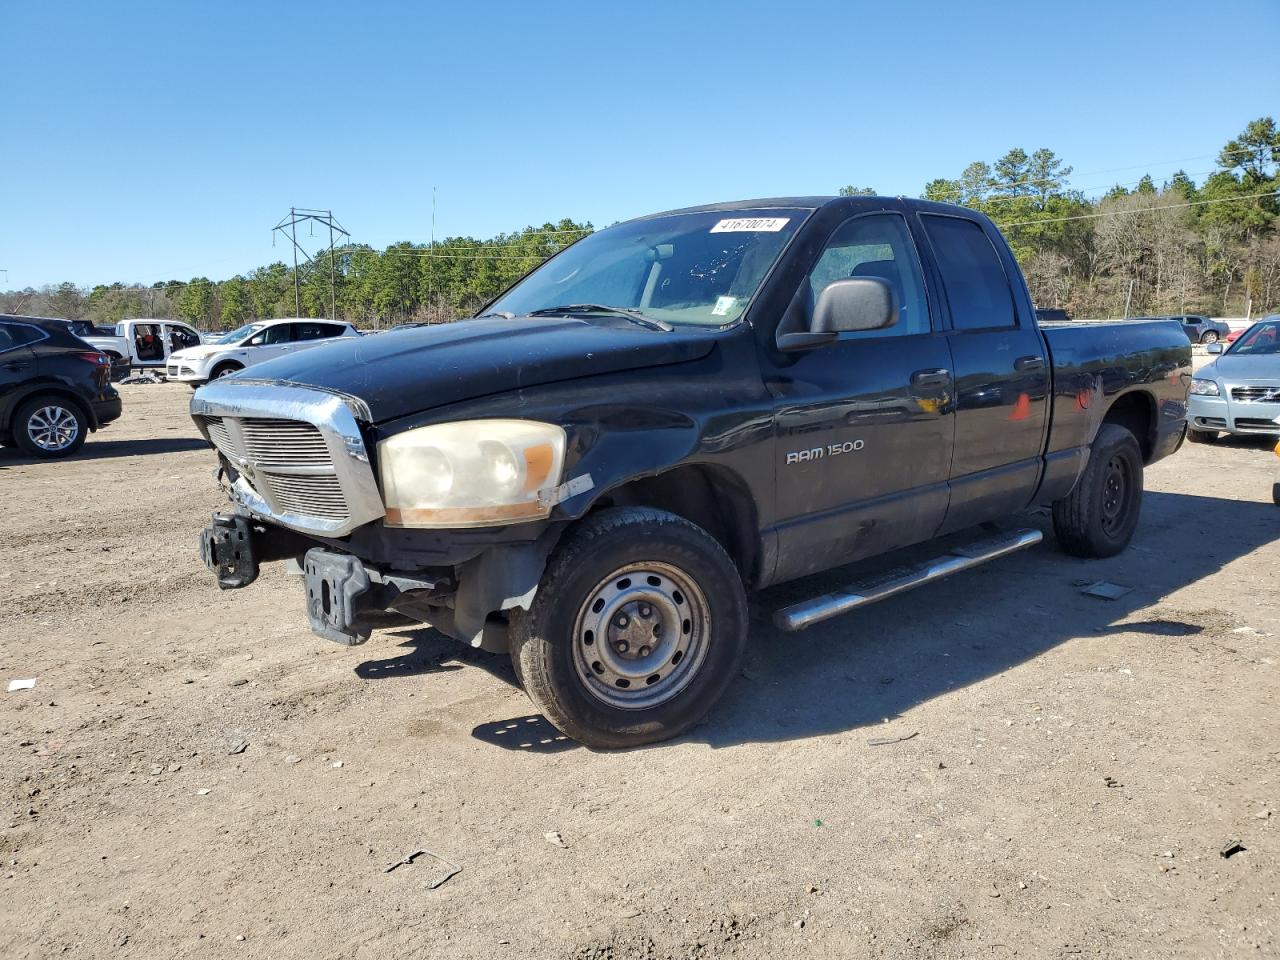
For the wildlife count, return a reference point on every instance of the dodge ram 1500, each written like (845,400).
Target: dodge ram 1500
(593,472)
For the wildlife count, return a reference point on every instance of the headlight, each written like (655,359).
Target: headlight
(1205,388)
(470,474)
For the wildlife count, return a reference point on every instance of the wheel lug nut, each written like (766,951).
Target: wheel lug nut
(623,646)
(622,620)
(645,651)
(645,610)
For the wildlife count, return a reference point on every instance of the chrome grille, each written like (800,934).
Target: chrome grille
(296,455)
(1251,394)
(276,443)
(218,434)
(286,461)
(313,496)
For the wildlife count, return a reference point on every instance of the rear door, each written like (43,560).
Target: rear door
(863,425)
(315,333)
(1001,367)
(17,361)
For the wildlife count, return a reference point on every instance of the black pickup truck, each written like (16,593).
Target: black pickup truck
(593,472)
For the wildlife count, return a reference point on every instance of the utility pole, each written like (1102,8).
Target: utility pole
(325,218)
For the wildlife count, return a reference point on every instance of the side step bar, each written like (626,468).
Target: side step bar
(808,612)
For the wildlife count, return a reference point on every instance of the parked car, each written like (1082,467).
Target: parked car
(1239,393)
(55,389)
(143,343)
(1202,329)
(253,343)
(592,473)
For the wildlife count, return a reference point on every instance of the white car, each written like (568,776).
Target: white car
(252,343)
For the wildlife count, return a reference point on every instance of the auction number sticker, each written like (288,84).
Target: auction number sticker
(751,225)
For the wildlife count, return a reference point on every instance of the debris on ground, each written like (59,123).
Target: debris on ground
(1110,782)
(553,837)
(22,684)
(1231,848)
(888,740)
(143,378)
(450,867)
(1106,591)
(240,747)
(203,792)
(293,758)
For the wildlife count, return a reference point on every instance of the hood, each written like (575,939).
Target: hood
(1236,369)
(412,369)
(199,353)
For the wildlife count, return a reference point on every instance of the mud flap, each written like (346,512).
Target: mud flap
(226,547)
(335,582)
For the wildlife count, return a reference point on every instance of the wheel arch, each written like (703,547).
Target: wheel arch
(714,497)
(47,390)
(1136,412)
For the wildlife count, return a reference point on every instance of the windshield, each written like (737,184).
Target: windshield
(690,268)
(235,336)
(1261,338)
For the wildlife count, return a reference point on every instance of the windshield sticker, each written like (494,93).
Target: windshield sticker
(751,225)
(723,306)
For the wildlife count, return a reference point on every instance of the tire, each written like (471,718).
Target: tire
(1201,436)
(620,578)
(221,371)
(1275,494)
(1099,516)
(49,427)
(1209,336)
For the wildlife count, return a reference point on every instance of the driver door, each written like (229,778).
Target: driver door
(864,425)
(270,343)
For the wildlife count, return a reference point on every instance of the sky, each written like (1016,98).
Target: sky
(156,141)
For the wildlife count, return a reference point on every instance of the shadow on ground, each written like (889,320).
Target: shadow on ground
(876,664)
(104,449)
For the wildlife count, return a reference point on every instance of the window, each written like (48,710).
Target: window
(146,342)
(13,335)
(315,331)
(182,337)
(271,336)
(876,246)
(976,285)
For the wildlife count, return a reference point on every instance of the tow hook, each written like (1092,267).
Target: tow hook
(226,547)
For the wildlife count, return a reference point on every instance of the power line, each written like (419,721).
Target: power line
(1121,213)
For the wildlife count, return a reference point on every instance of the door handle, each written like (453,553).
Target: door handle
(1029,363)
(936,377)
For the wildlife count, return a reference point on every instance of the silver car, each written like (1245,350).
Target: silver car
(1239,393)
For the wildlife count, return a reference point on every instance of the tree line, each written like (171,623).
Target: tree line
(1180,246)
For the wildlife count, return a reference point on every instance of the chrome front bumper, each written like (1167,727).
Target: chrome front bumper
(322,485)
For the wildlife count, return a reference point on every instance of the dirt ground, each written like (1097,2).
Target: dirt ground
(196,775)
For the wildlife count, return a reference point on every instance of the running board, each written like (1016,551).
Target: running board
(808,612)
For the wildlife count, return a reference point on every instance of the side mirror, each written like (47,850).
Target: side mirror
(1214,348)
(859,303)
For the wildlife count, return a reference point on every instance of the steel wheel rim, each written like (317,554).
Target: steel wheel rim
(1115,494)
(641,635)
(1210,337)
(53,428)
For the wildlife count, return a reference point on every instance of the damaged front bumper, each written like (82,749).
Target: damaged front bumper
(347,597)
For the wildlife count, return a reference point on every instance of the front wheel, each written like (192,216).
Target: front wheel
(1099,516)
(1201,436)
(1209,336)
(636,630)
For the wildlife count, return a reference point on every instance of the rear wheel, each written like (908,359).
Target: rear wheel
(1099,516)
(49,427)
(636,630)
(1201,436)
(1209,336)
